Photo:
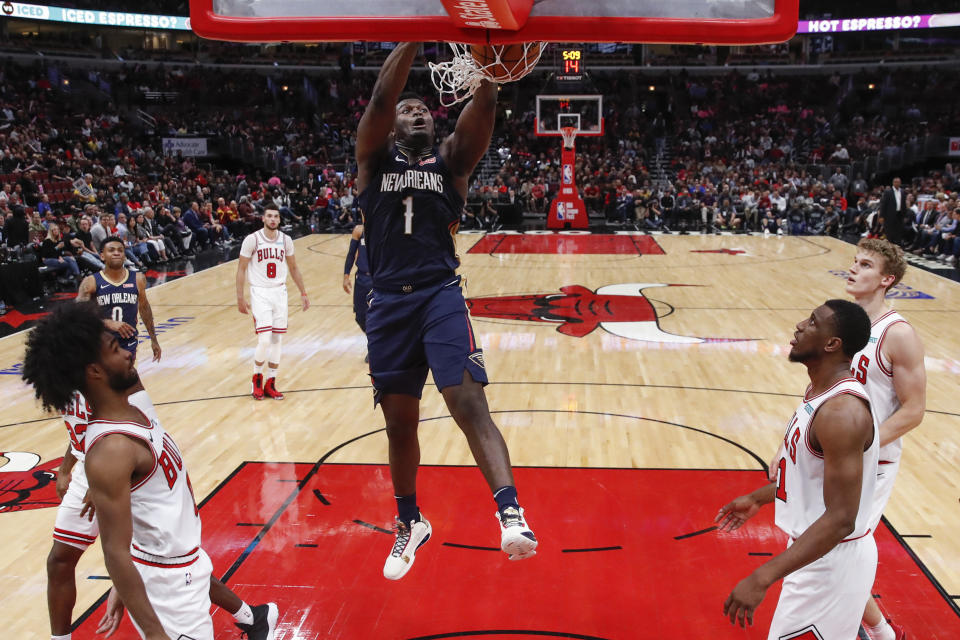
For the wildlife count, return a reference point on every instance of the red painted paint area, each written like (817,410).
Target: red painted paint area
(577,311)
(639,581)
(553,244)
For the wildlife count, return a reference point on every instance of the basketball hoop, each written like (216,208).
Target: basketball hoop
(458,79)
(569,134)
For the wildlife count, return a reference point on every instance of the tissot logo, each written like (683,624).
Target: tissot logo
(620,309)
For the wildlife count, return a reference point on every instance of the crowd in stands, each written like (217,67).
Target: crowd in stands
(733,151)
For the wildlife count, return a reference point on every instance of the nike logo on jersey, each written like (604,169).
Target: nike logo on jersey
(412,179)
(400,159)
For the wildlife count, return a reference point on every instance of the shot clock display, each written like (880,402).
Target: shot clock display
(571,64)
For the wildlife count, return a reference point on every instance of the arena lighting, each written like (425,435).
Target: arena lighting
(871,86)
(652,88)
(886,23)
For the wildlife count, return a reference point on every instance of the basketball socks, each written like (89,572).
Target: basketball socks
(271,372)
(257,368)
(882,631)
(506,497)
(66,637)
(244,614)
(407,508)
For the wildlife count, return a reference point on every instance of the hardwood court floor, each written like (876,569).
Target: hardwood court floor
(587,374)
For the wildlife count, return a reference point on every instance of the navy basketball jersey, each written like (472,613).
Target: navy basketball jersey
(411,212)
(119,301)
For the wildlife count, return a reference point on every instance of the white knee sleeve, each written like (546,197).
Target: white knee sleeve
(263,345)
(273,354)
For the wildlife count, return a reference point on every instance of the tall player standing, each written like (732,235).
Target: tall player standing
(121,294)
(264,256)
(826,477)
(411,195)
(891,368)
(149,523)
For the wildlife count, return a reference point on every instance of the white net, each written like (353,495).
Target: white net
(457,79)
(569,134)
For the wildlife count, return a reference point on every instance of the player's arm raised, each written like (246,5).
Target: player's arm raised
(298,280)
(470,139)
(373,132)
(88,287)
(905,351)
(110,466)
(146,314)
(842,427)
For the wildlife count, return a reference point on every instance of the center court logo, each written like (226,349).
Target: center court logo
(620,309)
(27,484)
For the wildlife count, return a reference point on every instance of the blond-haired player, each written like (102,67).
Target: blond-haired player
(264,256)
(891,368)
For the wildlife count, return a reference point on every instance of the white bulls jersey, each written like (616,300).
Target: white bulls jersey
(875,372)
(268,258)
(166,522)
(799,499)
(76,417)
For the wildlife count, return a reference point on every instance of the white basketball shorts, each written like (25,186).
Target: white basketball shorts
(825,599)
(269,307)
(180,596)
(886,475)
(70,528)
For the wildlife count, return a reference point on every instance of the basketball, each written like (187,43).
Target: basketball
(515,60)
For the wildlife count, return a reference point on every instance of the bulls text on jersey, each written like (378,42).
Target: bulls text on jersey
(270,253)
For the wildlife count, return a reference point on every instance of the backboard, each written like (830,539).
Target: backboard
(583,112)
(497,21)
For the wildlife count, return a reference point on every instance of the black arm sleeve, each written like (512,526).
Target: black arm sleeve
(351,256)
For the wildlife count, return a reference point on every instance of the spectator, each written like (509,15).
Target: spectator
(56,258)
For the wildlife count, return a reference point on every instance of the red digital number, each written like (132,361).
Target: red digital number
(782,480)
(860,373)
(271,269)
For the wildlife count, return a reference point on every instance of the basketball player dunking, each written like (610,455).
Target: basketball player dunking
(825,482)
(264,256)
(357,255)
(411,195)
(149,523)
(891,368)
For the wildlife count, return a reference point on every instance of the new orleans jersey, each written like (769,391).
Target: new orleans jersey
(119,302)
(411,212)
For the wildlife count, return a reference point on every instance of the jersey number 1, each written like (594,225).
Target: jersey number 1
(408,215)
(782,480)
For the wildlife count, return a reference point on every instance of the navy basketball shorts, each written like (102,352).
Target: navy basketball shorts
(130,344)
(362,285)
(428,328)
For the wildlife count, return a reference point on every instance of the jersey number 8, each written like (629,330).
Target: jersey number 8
(271,269)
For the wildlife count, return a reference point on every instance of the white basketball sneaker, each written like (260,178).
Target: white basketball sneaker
(409,538)
(516,538)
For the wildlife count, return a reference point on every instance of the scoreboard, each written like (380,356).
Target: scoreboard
(570,62)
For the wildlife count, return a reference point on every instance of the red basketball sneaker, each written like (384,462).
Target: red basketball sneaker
(258,386)
(270,390)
